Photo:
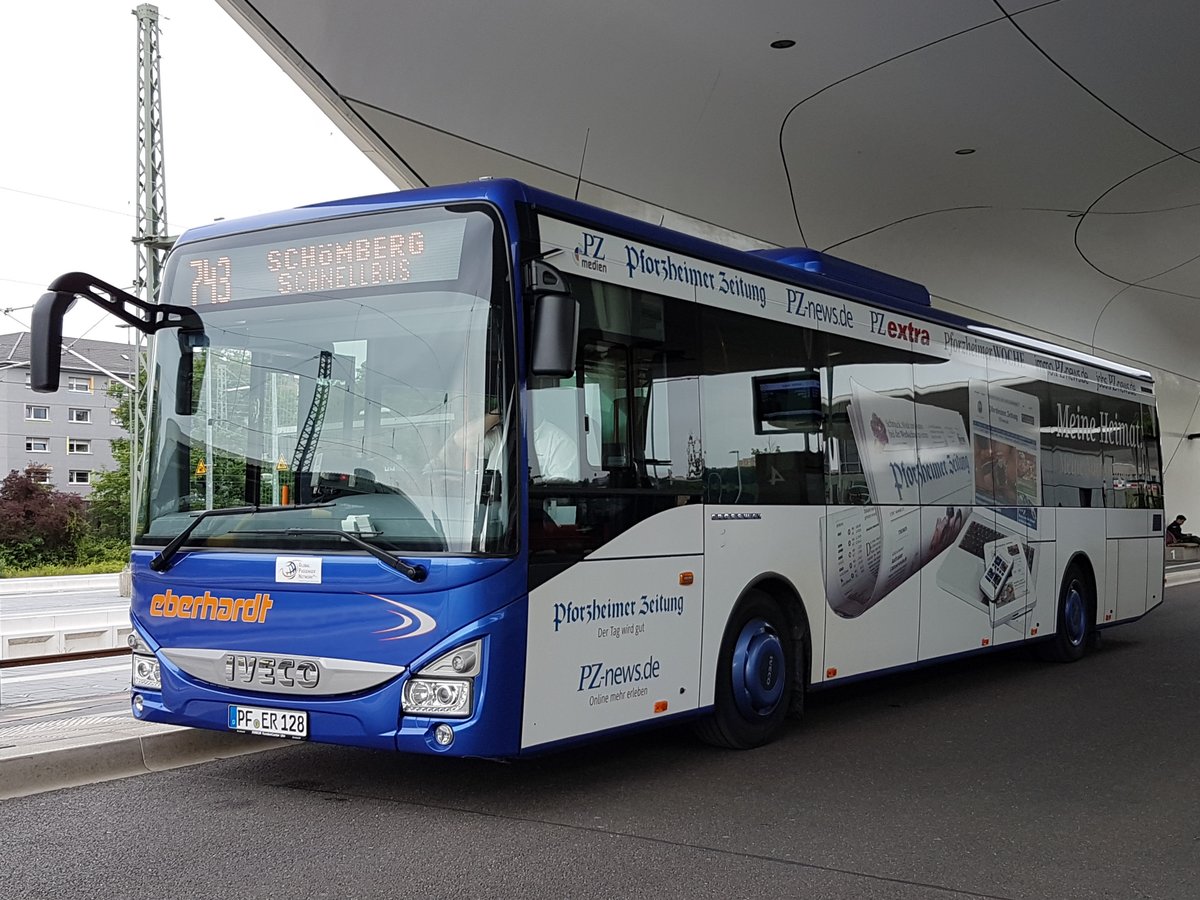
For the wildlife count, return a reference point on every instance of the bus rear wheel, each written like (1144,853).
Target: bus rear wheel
(754,676)
(1076,618)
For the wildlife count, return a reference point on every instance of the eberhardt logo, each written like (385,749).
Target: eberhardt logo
(205,606)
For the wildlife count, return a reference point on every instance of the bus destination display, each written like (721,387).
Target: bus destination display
(426,252)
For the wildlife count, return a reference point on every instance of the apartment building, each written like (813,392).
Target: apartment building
(67,434)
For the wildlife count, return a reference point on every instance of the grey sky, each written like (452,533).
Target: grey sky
(240,139)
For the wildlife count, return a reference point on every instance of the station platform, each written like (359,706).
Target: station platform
(69,723)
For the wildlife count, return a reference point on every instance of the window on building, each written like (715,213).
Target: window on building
(40,475)
(82,416)
(40,413)
(74,445)
(79,476)
(37,445)
(80,384)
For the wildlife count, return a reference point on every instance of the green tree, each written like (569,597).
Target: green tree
(108,505)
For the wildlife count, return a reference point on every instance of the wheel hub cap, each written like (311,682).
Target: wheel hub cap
(758,669)
(1075,615)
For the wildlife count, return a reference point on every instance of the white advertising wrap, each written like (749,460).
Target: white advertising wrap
(914,455)
(871,550)
(616,260)
(602,659)
(619,261)
(942,499)
(1006,438)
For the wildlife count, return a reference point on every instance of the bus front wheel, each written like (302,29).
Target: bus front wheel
(1076,618)
(754,676)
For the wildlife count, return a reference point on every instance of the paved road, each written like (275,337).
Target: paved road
(999,777)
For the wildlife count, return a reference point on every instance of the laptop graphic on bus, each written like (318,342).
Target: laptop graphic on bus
(992,567)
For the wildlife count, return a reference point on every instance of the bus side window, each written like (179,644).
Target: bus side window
(634,409)
(556,425)
(763,416)
(605,420)
(606,391)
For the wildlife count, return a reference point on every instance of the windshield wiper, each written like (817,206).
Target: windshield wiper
(417,573)
(162,560)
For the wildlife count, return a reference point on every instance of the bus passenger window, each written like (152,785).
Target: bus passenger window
(763,413)
(632,414)
(605,380)
(554,429)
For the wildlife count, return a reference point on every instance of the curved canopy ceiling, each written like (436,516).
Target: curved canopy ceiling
(1036,164)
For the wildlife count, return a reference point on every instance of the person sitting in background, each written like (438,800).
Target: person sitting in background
(1176,535)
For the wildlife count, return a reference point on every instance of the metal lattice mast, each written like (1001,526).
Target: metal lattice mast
(310,432)
(150,240)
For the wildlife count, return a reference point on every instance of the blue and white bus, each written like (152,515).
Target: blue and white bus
(481,470)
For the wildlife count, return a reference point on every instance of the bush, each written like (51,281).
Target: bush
(95,549)
(46,532)
(38,525)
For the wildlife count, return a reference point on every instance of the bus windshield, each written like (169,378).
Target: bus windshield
(360,371)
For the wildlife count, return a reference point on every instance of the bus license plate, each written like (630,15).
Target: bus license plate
(286,723)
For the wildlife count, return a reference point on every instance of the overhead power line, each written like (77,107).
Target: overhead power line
(116,212)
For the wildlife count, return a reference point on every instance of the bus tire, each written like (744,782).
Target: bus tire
(754,685)
(1076,618)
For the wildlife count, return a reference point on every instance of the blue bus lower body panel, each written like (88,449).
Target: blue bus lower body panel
(373,718)
(364,720)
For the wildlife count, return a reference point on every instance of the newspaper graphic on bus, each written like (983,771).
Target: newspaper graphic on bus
(918,455)
(1006,442)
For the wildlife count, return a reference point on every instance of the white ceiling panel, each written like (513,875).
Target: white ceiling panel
(1076,215)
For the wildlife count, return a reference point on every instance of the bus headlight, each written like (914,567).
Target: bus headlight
(445,687)
(437,697)
(146,672)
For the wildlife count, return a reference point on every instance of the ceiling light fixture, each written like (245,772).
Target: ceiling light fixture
(782,44)
(965,151)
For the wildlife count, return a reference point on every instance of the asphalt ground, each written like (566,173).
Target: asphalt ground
(996,777)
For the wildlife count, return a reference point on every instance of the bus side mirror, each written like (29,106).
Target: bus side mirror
(45,358)
(555,335)
(555,322)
